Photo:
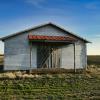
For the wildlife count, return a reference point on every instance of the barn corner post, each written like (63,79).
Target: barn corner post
(30,70)
(74,58)
(85,68)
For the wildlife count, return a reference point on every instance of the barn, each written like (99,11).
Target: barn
(44,46)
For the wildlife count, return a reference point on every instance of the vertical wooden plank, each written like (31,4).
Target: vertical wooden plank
(53,58)
(30,57)
(74,59)
(59,57)
(56,58)
(48,56)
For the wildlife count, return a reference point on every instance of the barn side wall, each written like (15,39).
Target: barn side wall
(68,56)
(17,52)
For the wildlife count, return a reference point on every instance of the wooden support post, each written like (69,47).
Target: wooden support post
(85,68)
(74,59)
(30,58)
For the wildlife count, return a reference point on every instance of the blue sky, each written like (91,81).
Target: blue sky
(79,16)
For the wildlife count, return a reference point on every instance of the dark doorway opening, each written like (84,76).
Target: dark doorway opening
(48,56)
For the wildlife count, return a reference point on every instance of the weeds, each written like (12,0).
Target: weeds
(67,87)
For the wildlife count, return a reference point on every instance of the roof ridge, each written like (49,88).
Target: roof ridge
(41,25)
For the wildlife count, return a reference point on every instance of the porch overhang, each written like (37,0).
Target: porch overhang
(55,40)
(51,39)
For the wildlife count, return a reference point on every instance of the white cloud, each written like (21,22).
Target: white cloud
(36,3)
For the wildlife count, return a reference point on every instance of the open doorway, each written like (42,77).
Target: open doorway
(48,56)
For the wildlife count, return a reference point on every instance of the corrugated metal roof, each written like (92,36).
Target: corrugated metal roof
(68,32)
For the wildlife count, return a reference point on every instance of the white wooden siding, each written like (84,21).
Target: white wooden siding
(68,56)
(17,51)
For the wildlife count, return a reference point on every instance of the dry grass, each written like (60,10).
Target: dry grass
(91,70)
(50,87)
(63,86)
(1,59)
(55,71)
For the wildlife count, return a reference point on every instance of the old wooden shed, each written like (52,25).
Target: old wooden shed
(44,46)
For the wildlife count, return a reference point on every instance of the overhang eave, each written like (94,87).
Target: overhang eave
(51,41)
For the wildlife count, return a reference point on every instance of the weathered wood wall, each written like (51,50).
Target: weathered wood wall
(17,53)
(68,56)
(17,50)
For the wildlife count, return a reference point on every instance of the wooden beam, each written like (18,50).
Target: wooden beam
(74,58)
(30,58)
